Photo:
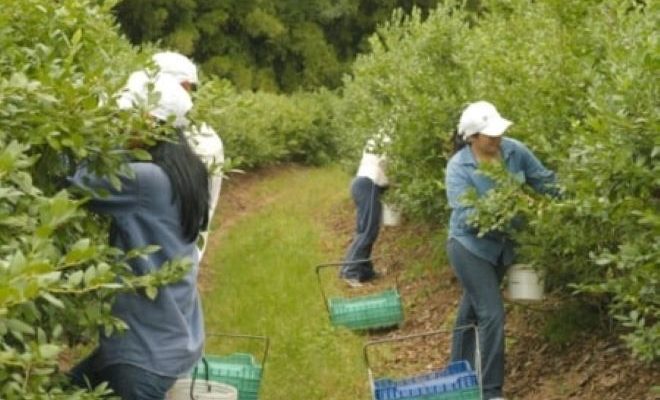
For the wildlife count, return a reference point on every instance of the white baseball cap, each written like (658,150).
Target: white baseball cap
(482,117)
(177,65)
(173,100)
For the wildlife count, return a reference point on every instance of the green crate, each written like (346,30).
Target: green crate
(239,370)
(379,310)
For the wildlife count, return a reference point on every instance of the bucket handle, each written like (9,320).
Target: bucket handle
(477,352)
(194,378)
(334,264)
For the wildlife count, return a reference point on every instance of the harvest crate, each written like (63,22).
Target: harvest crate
(455,382)
(376,310)
(240,370)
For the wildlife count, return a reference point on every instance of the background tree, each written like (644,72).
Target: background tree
(256,44)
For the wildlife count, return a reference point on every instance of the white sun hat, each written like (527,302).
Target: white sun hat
(482,117)
(177,65)
(173,100)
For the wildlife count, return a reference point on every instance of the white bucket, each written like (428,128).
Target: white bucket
(204,390)
(391,215)
(525,283)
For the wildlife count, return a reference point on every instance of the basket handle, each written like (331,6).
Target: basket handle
(265,339)
(334,264)
(365,348)
(194,378)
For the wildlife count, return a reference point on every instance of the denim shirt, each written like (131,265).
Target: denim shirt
(165,335)
(461,175)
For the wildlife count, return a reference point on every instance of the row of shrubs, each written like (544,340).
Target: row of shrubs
(578,78)
(61,63)
(575,76)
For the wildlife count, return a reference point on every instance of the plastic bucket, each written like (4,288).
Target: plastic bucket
(391,215)
(525,283)
(203,390)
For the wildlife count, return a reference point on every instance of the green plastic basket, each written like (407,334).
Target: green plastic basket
(239,370)
(379,310)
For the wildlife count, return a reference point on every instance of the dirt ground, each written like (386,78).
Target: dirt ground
(592,366)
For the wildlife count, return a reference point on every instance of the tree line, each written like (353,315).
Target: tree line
(264,45)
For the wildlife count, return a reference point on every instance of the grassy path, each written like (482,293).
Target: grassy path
(274,226)
(261,281)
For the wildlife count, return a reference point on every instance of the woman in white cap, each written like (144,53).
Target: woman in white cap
(480,262)
(163,202)
(203,139)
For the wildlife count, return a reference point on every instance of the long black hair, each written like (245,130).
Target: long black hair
(190,183)
(457,141)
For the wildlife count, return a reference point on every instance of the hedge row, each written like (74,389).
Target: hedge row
(579,80)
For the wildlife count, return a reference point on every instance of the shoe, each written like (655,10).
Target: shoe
(367,276)
(353,282)
(371,277)
(377,275)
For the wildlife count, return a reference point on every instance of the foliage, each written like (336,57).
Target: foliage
(412,77)
(260,45)
(61,62)
(578,80)
(563,326)
(259,129)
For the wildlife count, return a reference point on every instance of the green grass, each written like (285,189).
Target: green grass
(265,284)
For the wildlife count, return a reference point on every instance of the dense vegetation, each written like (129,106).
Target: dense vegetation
(266,45)
(577,77)
(61,62)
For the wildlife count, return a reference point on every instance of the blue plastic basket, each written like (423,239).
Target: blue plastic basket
(457,381)
(457,377)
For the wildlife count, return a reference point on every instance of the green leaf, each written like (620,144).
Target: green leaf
(52,300)
(141,154)
(151,292)
(75,39)
(19,326)
(90,275)
(75,278)
(80,251)
(49,351)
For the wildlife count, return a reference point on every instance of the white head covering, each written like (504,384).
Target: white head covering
(172,100)
(482,117)
(177,65)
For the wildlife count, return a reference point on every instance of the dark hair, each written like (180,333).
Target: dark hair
(190,183)
(457,141)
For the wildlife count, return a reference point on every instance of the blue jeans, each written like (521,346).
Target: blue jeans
(127,381)
(482,306)
(366,196)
